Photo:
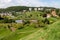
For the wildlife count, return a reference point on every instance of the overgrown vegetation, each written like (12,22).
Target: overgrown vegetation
(30,26)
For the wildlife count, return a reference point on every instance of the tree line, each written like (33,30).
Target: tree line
(20,8)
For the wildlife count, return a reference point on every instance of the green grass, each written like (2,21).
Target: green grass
(18,34)
(51,32)
(4,32)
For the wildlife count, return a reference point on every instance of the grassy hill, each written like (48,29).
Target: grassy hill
(8,35)
(30,31)
(51,32)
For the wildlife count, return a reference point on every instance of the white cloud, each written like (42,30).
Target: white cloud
(30,3)
(36,3)
(4,2)
(56,4)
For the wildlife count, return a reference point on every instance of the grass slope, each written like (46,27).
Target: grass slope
(18,34)
(51,33)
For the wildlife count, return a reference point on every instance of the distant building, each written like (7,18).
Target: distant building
(40,9)
(30,9)
(48,15)
(5,14)
(35,9)
(54,13)
(24,11)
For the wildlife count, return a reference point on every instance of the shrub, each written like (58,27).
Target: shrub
(32,25)
(8,20)
(52,19)
(17,25)
(9,25)
(26,22)
(41,23)
(46,21)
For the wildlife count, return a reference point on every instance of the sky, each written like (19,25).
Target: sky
(32,3)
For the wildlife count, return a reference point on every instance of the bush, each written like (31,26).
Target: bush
(8,20)
(9,25)
(26,22)
(52,19)
(17,25)
(46,21)
(41,23)
(1,21)
(33,25)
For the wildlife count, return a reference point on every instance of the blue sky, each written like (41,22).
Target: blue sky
(34,3)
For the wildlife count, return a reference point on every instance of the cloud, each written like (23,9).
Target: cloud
(30,3)
(36,3)
(4,2)
(56,4)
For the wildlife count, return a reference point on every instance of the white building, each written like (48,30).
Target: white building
(30,9)
(35,9)
(24,10)
(5,14)
(40,9)
(48,15)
